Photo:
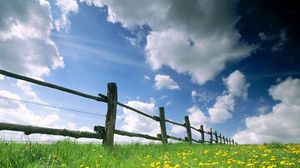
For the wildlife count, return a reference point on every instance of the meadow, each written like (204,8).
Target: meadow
(71,154)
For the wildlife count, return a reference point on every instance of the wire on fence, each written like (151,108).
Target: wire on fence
(101,97)
(51,106)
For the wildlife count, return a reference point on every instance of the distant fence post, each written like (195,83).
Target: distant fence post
(164,138)
(202,133)
(188,129)
(112,98)
(216,136)
(220,136)
(229,141)
(224,140)
(211,136)
(232,141)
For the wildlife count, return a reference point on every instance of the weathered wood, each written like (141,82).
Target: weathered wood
(194,128)
(188,129)
(202,133)
(224,142)
(232,142)
(211,136)
(194,140)
(175,123)
(50,131)
(164,138)
(216,136)
(49,85)
(112,98)
(138,111)
(220,138)
(130,134)
(174,138)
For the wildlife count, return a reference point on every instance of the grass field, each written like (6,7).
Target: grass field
(69,154)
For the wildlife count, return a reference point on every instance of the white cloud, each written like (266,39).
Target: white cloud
(236,84)
(222,109)
(165,81)
(200,96)
(169,103)
(196,38)
(133,122)
(66,8)
(196,116)
(16,112)
(236,87)
(2,77)
(27,89)
(25,43)
(262,109)
(146,78)
(194,94)
(282,123)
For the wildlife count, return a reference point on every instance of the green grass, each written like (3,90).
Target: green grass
(70,154)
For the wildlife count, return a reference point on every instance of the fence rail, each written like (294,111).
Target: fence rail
(27,129)
(108,131)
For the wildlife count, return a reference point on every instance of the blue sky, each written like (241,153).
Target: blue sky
(232,66)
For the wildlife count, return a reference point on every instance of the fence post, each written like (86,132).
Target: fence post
(112,98)
(216,135)
(188,129)
(232,141)
(220,138)
(211,136)
(164,138)
(202,133)
(224,140)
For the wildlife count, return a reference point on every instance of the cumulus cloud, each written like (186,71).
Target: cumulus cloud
(133,122)
(165,81)
(194,37)
(25,43)
(200,96)
(16,112)
(236,84)
(282,123)
(222,110)
(224,106)
(66,8)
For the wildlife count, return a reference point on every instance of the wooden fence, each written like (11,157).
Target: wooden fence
(108,131)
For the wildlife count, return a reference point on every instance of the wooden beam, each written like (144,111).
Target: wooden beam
(175,138)
(49,85)
(202,133)
(112,98)
(220,136)
(211,136)
(164,138)
(175,123)
(130,134)
(216,136)
(188,129)
(27,129)
(138,111)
